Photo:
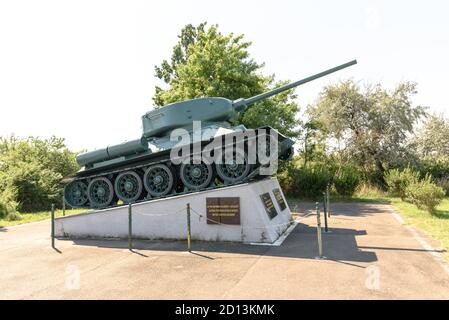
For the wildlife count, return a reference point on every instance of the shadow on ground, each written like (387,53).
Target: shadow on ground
(339,245)
(350,209)
(441,214)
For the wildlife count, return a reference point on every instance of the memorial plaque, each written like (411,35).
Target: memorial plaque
(224,210)
(279,198)
(269,205)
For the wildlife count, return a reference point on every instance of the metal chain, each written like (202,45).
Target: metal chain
(200,215)
(163,214)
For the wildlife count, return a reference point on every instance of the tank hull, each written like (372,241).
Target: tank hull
(136,178)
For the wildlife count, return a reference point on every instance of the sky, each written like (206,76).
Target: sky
(84,70)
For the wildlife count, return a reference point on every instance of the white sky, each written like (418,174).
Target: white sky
(84,70)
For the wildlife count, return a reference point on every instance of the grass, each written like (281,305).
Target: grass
(37,216)
(435,225)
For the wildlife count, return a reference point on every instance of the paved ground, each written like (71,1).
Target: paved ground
(370,256)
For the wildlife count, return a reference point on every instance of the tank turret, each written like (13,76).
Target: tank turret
(161,121)
(142,169)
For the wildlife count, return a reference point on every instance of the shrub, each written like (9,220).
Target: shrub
(424,194)
(374,178)
(346,180)
(8,212)
(33,187)
(3,211)
(30,171)
(13,216)
(443,183)
(438,167)
(285,177)
(310,182)
(398,181)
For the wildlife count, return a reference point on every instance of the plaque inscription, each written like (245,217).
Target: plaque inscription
(269,205)
(279,198)
(225,210)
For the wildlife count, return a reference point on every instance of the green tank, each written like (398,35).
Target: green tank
(170,156)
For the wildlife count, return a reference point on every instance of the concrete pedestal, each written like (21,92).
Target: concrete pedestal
(167,218)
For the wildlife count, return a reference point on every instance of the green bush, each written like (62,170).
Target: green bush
(438,168)
(285,178)
(8,212)
(3,211)
(310,182)
(398,181)
(374,178)
(424,194)
(30,171)
(13,216)
(346,180)
(443,183)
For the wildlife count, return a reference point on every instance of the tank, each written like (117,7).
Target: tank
(168,159)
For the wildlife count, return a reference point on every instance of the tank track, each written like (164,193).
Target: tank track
(178,189)
(253,176)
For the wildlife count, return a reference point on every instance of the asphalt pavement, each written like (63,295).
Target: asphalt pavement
(369,254)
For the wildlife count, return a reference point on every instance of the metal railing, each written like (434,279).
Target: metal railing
(189,210)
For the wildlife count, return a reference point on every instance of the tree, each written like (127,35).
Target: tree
(433,138)
(30,171)
(206,63)
(372,123)
(313,137)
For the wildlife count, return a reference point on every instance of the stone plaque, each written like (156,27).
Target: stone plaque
(279,198)
(269,205)
(224,210)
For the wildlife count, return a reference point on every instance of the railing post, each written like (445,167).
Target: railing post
(318,229)
(189,243)
(325,210)
(328,204)
(63,206)
(53,226)
(130,227)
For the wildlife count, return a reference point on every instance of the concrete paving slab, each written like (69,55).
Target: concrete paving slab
(370,256)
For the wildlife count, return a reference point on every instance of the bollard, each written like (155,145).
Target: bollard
(325,211)
(318,229)
(130,228)
(189,244)
(52,225)
(328,204)
(63,206)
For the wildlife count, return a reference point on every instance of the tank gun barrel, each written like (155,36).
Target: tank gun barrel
(241,104)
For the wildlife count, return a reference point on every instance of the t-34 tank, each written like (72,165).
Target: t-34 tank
(149,168)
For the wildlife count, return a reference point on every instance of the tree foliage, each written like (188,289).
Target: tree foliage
(30,171)
(206,63)
(433,138)
(313,142)
(372,123)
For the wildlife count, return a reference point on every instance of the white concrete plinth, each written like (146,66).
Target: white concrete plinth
(167,218)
